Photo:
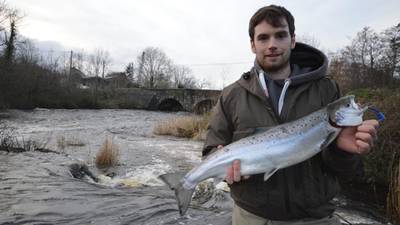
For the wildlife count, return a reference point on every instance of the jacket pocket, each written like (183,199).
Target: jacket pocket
(239,134)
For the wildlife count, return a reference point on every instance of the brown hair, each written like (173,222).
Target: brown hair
(273,15)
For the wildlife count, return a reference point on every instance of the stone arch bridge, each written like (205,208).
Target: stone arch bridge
(191,100)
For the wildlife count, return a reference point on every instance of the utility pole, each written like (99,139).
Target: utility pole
(70,65)
(141,68)
(104,67)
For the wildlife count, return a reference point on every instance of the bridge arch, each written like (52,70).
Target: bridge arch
(170,99)
(203,106)
(170,104)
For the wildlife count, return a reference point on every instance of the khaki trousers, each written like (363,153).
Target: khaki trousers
(242,217)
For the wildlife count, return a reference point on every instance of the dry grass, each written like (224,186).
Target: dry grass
(393,197)
(382,165)
(61,143)
(108,154)
(7,136)
(74,141)
(188,126)
(10,143)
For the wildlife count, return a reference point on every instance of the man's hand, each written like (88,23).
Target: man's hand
(233,171)
(360,139)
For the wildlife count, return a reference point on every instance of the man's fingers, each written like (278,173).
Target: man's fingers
(233,173)
(220,146)
(363,147)
(229,175)
(236,170)
(367,128)
(365,137)
(374,123)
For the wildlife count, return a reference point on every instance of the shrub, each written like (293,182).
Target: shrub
(393,197)
(187,126)
(108,154)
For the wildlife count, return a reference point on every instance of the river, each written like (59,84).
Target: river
(37,188)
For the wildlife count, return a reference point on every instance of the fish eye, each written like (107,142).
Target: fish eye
(348,105)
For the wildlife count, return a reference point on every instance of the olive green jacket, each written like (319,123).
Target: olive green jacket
(300,191)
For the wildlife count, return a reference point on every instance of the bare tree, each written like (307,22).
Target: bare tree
(365,49)
(391,38)
(78,60)
(105,62)
(182,78)
(154,68)
(371,60)
(203,83)
(130,71)
(99,63)
(3,13)
(13,18)
(27,53)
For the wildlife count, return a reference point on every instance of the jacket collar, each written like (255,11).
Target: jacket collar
(251,83)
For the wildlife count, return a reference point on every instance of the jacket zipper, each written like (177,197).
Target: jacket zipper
(282,96)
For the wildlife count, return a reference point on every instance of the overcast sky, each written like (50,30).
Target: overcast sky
(209,36)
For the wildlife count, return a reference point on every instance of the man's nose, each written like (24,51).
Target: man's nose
(272,44)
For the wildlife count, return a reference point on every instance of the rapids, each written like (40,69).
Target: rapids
(37,188)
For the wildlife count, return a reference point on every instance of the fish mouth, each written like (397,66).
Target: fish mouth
(350,115)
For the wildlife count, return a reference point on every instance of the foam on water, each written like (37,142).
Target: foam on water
(144,175)
(148,174)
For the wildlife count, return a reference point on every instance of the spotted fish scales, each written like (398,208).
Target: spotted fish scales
(276,148)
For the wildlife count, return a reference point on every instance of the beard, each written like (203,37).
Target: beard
(278,65)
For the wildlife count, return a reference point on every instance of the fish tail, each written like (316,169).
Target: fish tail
(183,195)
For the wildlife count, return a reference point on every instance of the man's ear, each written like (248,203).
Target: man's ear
(253,47)
(293,42)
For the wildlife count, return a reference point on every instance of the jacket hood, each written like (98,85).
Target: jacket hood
(307,64)
(312,63)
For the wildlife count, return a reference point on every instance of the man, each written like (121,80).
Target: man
(287,82)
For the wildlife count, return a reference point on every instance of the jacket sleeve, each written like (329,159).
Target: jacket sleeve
(343,164)
(220,129)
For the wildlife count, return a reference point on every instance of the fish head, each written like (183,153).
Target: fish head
(346,112)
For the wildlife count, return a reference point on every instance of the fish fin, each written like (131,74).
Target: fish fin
(172,179)
(268,174)
(183,196)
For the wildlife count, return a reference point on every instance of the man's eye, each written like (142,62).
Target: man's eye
(262,38)
(281,35)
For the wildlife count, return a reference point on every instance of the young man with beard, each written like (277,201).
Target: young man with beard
(287,82)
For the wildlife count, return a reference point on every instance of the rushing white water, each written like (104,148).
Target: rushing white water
(37,188)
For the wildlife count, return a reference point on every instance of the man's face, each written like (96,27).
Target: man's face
(272,46)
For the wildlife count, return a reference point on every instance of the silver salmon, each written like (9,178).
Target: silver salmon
(268,151)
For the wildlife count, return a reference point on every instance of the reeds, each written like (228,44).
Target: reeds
(108,154)
(188,126)
(10,143)
(393,197)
